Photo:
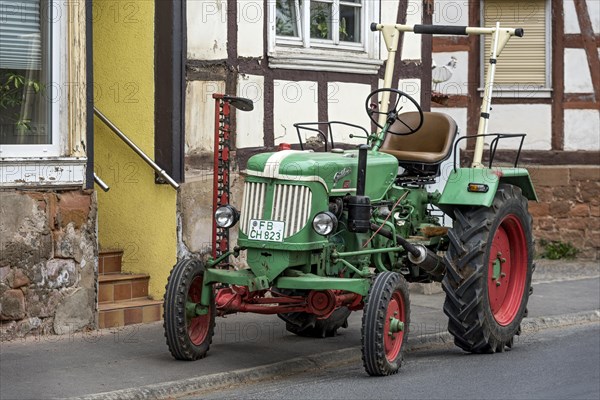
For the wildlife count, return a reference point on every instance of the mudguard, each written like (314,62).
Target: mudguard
(456,191)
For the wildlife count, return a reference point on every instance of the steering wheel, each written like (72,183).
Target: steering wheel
(409,123)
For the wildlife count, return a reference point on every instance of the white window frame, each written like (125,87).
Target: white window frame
(519,92)
(43,165)
(57,47)
(326,55)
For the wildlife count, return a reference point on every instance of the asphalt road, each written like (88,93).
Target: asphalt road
(551,364)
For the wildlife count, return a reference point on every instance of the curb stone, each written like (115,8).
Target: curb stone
(306,363)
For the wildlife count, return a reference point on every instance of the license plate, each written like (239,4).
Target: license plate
(271,231)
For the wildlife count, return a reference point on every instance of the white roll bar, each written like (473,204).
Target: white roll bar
(500,37)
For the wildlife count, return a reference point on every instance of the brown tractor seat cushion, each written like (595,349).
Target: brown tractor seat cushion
(431,144)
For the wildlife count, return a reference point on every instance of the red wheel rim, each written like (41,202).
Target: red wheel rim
(507,270)
(197,327)
(393,340)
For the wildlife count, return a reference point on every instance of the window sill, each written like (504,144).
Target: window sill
(55,172)
(519,93)
(322,60)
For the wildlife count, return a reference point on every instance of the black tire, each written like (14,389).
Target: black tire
(308,325)
(388,294)
(188,338)
(489,247)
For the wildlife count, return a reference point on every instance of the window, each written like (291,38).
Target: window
(314,34)
(523,68)
(28,73)
(42,122)
(329,21)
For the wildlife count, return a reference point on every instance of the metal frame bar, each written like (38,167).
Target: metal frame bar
(500,38)
(493,145)
(305,126)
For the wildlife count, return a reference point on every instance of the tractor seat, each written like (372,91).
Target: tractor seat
(430,145)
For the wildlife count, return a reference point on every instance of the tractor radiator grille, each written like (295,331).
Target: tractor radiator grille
(291,204)
(253,203)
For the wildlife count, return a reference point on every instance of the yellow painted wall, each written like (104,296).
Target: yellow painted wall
(136,215)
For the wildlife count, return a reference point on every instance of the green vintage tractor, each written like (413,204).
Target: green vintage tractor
(331,232)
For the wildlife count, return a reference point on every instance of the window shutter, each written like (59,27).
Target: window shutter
(523,60)
(20,43)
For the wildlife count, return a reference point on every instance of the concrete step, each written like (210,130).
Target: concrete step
(122,287)
(131,312)
(110,261)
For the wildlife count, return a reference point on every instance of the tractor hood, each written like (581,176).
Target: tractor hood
(335,171)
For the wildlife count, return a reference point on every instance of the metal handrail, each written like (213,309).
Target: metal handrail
(101,183)
(163,174)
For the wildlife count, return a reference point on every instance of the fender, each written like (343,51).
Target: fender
(457,191)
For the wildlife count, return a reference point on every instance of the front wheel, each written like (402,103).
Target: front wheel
(188,335)
(385,322)
(488,272)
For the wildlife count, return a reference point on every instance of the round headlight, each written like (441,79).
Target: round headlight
(324,223)
(226,216)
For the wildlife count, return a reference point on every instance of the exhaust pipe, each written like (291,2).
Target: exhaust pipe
(428,261)
(418,254)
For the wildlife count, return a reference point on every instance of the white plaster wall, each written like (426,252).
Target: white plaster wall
(571,22)
(207,29)
(459,81)
(411,48)
(411,87)
(346,102)
(582,130)
(451,12)
(389,12)
(594,12)
(577,72)
(535,120)
(293,102)
(200,115)
(251,17)
(250,124)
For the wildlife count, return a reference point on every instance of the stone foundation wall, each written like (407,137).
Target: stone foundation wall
(196,212)
(569,207)
(48,262)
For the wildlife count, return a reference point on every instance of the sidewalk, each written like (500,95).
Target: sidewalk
(133,358)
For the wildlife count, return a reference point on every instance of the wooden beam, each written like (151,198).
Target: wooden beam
(558,75)
(589,44)
(77,107)
(450,44)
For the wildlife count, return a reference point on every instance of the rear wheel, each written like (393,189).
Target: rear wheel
(385,323)
(488,272)
(188,335)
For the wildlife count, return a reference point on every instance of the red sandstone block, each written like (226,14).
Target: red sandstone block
(544,223)
(73,207)
(539,209)
(544,194)
(585,173)
(549,176)
(590,192)
(580,210)
(579,224)
(560,209)
(562,193)
(548,236)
